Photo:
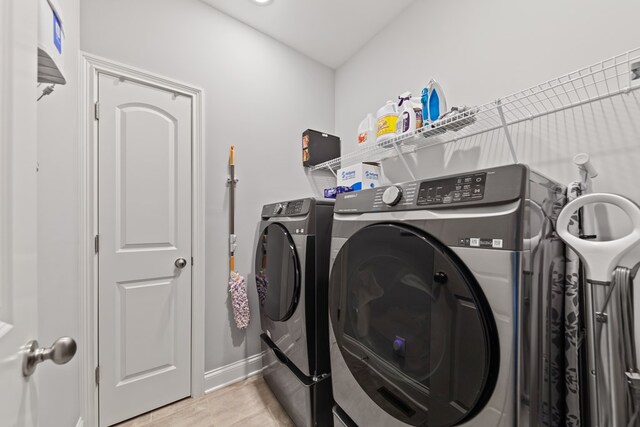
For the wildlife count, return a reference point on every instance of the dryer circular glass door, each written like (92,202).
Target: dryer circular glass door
(277,273)
(413,326)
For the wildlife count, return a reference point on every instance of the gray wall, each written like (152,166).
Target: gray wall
(259,95)
(58,230)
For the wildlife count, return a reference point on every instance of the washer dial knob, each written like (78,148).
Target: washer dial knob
(392,195)
(279,208)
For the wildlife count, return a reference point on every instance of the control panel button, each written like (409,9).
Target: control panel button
(461,189)
(294,207)
(392,195)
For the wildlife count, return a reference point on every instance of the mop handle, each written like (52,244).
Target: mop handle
(600,258)
(232,207)
(232,190)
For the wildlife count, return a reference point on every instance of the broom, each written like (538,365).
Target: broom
(237,283)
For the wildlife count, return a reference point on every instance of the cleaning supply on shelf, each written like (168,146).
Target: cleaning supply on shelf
(359,176)
(332,193)
(386,121)
(367,131)
(424,100)
(417,108)
(434,104)
(407,116)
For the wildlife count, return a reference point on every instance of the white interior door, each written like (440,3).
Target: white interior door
(18,286)
(144,205)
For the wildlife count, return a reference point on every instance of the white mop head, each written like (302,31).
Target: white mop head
(240,300)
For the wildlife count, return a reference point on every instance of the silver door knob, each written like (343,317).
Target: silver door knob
(61,352)
(181,263)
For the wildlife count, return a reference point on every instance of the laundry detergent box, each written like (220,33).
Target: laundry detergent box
(360,176)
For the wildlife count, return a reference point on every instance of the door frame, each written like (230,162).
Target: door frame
(91,66)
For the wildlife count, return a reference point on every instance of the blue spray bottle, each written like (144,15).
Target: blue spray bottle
(425,106)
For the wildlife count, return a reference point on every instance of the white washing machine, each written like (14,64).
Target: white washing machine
(439,302)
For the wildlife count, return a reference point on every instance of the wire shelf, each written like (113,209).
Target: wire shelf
(611,77)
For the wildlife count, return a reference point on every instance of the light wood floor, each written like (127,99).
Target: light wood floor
(248,403)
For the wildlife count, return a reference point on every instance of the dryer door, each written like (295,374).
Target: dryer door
(413,326)
(277,273)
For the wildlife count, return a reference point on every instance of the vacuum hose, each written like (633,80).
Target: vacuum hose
(623,387)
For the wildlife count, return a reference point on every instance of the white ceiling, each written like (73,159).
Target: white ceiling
(329,31)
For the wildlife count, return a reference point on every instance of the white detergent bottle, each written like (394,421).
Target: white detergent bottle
(407,116)
(367,131)
(386,122)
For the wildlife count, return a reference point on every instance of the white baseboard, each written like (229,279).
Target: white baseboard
(80,422)
(229,374)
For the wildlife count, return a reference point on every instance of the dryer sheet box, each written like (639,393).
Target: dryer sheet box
(360,176)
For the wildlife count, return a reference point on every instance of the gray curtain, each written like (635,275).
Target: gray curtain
(565,324)
(572,321)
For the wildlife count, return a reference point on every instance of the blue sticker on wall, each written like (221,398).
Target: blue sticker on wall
(57,33)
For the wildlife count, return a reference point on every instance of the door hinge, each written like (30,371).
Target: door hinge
(96,110)
(97,375)
(191,260)
(96,243)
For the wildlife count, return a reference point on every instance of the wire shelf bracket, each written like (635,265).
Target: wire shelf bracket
(507,133)
(404,161)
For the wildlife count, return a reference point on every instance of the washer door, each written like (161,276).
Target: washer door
(277,273)
(413,326)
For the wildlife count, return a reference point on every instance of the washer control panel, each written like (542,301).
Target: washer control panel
(460,189)
(489,186)
(395,195)
(292,208)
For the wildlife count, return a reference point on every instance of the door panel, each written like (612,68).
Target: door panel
(18,285)
(140,130)
(136,329)
(145,226)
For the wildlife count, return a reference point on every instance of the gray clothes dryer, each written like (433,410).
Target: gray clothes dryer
(439,301)
(292,273)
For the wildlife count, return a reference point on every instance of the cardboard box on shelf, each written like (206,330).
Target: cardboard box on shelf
(360,176)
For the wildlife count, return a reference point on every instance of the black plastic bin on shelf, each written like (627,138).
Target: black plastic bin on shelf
(319,147)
